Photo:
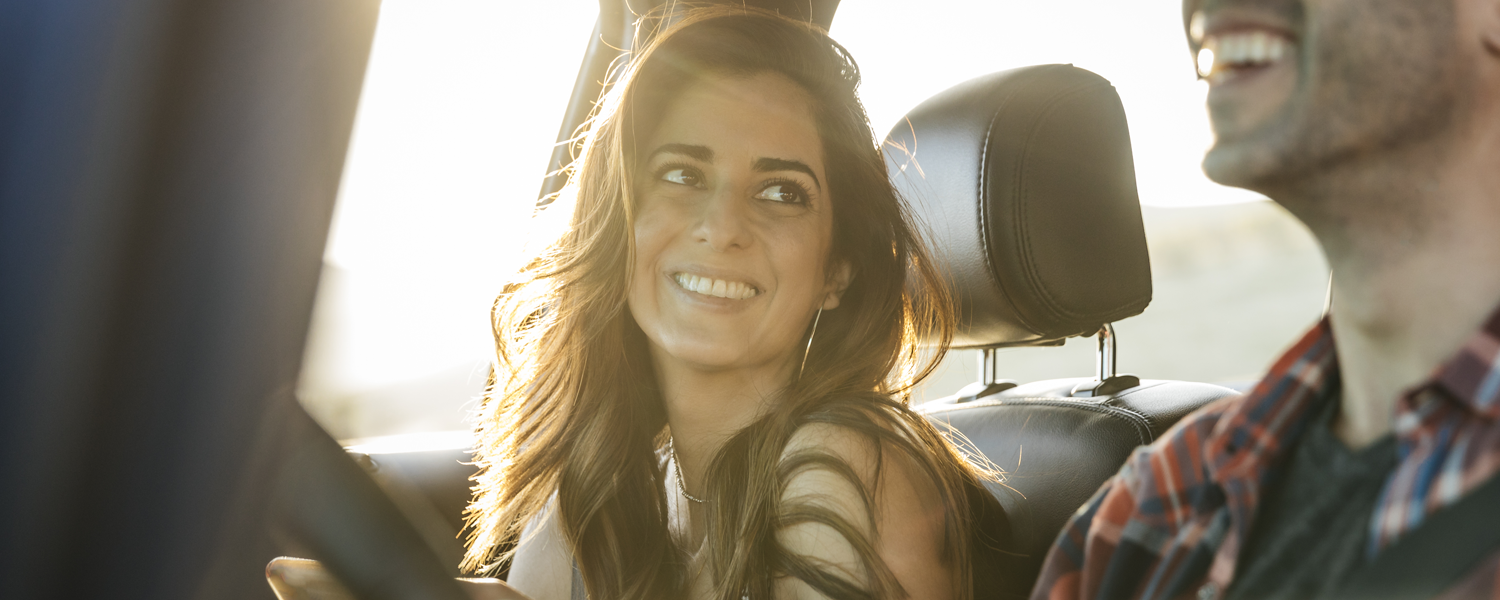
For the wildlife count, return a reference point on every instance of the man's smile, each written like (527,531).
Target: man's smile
(1250,54)
(1240,53)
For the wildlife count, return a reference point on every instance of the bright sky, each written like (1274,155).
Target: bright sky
(461,104)
(463,99)
(907,56)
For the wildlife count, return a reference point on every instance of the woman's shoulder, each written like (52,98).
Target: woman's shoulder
(862,433)
(851,489)
(862,429)
(852,445)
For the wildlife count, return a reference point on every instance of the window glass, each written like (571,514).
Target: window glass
(1236,279)
(462,101)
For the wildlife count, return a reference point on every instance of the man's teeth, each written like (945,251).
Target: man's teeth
(717,288)
(1239,50)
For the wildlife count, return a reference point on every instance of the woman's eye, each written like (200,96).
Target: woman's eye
(681,177)
(781,192)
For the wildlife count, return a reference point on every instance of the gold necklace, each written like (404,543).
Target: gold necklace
(677,468)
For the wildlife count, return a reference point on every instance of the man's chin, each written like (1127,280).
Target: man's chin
(1242,164)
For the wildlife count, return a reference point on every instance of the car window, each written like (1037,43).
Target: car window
(461,104)
(463,100)
(1235,277)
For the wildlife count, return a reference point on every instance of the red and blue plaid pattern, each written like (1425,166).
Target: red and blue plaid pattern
(1171,523)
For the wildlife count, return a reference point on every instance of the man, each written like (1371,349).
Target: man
(1376,123)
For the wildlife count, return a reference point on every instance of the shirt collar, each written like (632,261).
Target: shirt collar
(1250,436)
(1472,375)
(1255,431)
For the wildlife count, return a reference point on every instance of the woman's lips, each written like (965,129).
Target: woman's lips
(717,288)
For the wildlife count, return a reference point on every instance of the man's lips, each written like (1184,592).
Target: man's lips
(1234,40)
(1229,54)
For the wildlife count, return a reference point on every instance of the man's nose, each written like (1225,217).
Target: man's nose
(722,223)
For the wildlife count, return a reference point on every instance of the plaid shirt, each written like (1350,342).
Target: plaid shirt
(1171,523)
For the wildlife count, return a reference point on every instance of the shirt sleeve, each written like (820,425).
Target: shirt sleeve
(1114,543)
(1062,572)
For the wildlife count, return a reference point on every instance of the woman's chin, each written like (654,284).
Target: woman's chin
(714,358)
(707,359)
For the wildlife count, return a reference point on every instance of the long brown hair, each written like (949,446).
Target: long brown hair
(574,409)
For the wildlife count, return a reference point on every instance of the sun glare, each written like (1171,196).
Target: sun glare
(907,54)
(1205,62)
(461,103)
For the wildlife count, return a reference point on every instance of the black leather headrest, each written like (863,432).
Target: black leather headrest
(1026,183)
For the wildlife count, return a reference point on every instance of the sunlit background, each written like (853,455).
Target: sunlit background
(463,100)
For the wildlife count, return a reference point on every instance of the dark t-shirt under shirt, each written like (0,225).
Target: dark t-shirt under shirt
(1313,521)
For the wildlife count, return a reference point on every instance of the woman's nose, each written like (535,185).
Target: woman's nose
(722,224)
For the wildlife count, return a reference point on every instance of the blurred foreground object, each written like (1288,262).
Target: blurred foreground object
(167,174)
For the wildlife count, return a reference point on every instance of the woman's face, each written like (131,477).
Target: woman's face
(733,226)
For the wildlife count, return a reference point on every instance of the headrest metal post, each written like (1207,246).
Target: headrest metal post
(1107,382)
(989,368)
(989,382)
(1105,359)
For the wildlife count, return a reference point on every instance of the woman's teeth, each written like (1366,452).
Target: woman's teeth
(1222,54)
(717,288)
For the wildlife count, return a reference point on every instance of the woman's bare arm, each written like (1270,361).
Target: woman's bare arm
(908,516)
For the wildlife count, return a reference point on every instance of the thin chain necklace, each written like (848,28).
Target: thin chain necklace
(681,489)
(677,468)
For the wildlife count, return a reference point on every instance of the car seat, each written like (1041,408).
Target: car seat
(1025,182)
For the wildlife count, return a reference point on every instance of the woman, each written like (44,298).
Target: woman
(701,381)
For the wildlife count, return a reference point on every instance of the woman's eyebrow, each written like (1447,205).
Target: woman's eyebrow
(779,164)
(702,153)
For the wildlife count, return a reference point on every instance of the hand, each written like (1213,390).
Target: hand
(303,579)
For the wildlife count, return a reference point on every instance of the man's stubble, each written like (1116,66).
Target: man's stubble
(1377,84)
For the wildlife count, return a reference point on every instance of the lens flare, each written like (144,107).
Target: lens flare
(1205,62)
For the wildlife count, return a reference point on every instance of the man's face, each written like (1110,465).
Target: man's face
(1300,87)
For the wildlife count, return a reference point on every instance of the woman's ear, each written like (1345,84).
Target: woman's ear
(1485,17)
(842,274)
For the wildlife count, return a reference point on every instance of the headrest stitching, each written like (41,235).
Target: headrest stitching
(1139,421)
(1050,106)
(984,216)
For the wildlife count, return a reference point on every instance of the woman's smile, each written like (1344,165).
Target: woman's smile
(715,288)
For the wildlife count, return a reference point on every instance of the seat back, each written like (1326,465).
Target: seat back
(1056,450)
(1026,182)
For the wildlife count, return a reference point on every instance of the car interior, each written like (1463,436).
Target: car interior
(1025,179)
(190,201)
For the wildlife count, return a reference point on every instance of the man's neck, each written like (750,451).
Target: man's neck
(1416,270)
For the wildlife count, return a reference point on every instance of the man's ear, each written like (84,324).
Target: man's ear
(1488,22)
(839,281)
